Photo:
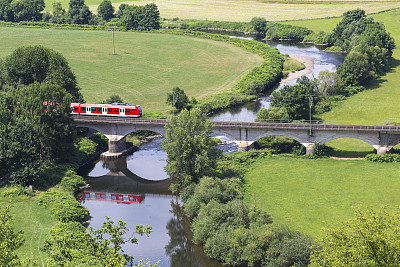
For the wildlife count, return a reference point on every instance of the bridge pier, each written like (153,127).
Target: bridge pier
(245,145)
(309,147)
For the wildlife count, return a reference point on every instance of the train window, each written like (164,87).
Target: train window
(127,111)
(93,109)
(116,110)
(110,110)
(82,109)
(99,109)
(121,110)
(76,108)
(88,109)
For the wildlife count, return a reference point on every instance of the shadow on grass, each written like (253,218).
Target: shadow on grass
(351,154)
(377,82)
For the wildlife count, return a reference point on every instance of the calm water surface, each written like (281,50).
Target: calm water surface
(142,176)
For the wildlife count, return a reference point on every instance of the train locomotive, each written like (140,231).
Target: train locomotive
(114,109)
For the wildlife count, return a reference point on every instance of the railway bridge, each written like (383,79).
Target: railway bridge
(382,137)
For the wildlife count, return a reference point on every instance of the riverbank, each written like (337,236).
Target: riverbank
(309,66)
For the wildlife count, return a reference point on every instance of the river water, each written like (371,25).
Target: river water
(134,189)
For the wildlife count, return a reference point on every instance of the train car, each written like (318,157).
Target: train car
(114,109)
(50,105)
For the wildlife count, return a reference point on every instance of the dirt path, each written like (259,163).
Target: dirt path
(308,62)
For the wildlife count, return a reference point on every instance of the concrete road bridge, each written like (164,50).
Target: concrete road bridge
(382,137)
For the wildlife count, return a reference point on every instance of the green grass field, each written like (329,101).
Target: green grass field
(35,221)
(146,67)
(309,195)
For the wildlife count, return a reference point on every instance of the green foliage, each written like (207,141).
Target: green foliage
(78,12)
(177,99)
(371,239)
(188,146)
(86,149)
(296,98)
(105,10)
(278,144)
(10,240)
(12,191)
(100,140)
(113,99)
(209,188)
(368,44)
(29,64)
(383,158)
(236,234)
(71,181)
(321,150)
(274,114)
(64,207)
(258,24)
(69,244)
(145,17)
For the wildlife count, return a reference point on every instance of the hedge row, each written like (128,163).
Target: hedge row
(268,74)
(383,158)
(64,207)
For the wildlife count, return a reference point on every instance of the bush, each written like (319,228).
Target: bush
(278,144)
(383,158)
(64,207)
(71,181)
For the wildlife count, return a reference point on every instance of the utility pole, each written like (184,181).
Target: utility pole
(113,29)
(311,103)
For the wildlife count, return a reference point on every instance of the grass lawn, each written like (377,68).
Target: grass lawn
(146,67)
(35,221)
(309,195)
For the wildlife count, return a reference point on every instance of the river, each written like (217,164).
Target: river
(135,189)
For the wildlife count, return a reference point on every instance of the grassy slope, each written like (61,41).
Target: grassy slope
(35,221)
(146,67)
(311,194)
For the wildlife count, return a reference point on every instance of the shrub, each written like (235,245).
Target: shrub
(71,181)
(383,158)
(64,207)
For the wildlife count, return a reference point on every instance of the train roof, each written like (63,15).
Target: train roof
(107,105)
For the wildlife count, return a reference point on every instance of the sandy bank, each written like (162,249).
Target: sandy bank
(309,66)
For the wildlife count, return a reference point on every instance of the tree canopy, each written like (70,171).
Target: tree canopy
(188,146)
(370,239)
(178,99)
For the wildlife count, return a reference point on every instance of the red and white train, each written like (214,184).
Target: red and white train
(114,109)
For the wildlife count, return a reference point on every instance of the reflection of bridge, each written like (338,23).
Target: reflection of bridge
(381,137)
(120,180)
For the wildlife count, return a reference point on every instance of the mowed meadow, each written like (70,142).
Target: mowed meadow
(310,195)
(146,65)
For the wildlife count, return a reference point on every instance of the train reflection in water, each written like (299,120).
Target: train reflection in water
(112,197)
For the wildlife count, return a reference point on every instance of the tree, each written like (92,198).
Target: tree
(79,12)
(29,64)
(121,9)
(6,12)
(27,10)
(60,16)
(106,10)
(10,240)
(355,69)
(296,98)
(272,113)
(69,244)
(189,147)
(259,24)
(113,99)
(178,99)
(329,83)
(371,239)
(140,17)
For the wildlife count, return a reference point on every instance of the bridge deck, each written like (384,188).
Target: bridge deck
(238,124)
